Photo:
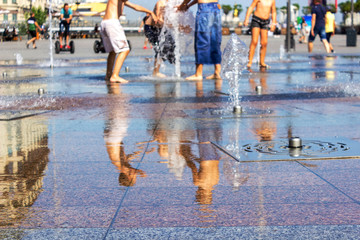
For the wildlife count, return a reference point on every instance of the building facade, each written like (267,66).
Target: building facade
(13,12)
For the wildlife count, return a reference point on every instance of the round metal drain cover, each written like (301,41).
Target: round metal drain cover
(309,148)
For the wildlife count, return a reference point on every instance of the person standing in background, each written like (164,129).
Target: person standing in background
(318,13)
(260,27)
(32,25)
(146,41)
(330,26)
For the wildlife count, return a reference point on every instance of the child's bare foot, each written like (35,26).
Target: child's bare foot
(159,75)
(107,78)
(248,66)
(194,78)
(117,80)
(214,76)
(264,66)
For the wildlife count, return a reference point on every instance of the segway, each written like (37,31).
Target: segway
(99,46)
(64,48)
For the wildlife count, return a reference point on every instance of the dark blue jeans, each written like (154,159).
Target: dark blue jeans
(208,34)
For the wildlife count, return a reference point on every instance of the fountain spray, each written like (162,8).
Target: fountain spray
(235,57)
(177,24)
(50,33)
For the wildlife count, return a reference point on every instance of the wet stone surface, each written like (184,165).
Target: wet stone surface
(167,158)
(281,150)
(8,115)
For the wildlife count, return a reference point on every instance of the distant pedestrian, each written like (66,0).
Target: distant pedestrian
(318,13)
(66,16)
(260,27)
(303,31)
(96,28)
(330,26)
(32,25)
(146,40)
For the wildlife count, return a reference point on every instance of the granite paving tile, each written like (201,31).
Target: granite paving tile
(312,214)
(61,217)
(187,215)
(261,232)
(53,233)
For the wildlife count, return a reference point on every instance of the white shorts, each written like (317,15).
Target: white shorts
(113,36)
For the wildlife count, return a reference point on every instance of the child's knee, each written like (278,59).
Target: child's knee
(254,42)
(263,44)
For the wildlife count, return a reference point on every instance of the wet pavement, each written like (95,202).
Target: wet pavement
(167,158)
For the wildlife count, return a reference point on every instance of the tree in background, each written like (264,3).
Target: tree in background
(345,8)
(297,6)
(306,10)
(40,15)
(237,10)
(357,6)
(333,8)
(226,9)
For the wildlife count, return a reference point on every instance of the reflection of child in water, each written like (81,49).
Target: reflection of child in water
(128,174)
(114,134)
(207,175)
(264,128)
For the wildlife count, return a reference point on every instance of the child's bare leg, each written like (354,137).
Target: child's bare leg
(156,71)
(216,74)
(263,43)
(255,32)
(198,74)
(118,64)
(110,65)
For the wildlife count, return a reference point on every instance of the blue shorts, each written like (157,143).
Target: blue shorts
(320,31)
(208,34)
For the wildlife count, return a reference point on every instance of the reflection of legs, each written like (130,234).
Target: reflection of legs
(199,89)
(263,83)
(208,177)
(117,66)
(255,32)
(113,150)
(218,84)
(263,43)
(217,70)
(198,74)
(252,83)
